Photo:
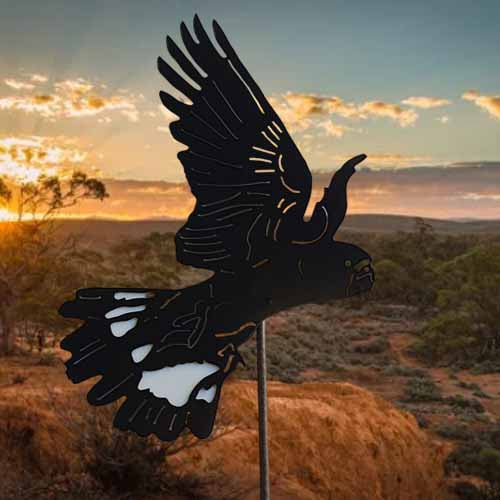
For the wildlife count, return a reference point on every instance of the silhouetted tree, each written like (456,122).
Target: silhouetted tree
(31,250)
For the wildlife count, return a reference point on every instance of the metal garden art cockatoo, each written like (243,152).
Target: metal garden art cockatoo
(169,351)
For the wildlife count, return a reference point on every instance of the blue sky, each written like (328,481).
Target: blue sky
(359,51)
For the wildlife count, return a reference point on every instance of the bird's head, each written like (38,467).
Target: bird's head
(338,270)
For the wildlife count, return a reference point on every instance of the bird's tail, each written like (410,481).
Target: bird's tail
(155,347)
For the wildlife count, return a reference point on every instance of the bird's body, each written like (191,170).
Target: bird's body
(169,351)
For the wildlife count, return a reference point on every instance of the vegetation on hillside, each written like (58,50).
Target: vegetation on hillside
(454,282)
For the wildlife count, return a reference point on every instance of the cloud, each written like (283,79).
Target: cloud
(70,99)
(76,87)
(18,85)
(333,129)
(443,119)
(404,117)
(425,102)
(131,114)
(301,111)
(294,120)
(37,77)
(396,160)
(131,199)
(489,103)
(25,158)
(305,105)
(443,191)
(481,196)
(459,190)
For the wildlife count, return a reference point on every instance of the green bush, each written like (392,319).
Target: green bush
(419,390)
(458,431)
(465,327)
(459,401)
(468,491)
(478,455)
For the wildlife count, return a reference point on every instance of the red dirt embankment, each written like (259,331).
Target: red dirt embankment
(327,440)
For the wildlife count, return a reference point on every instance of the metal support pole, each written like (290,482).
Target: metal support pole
(262,393)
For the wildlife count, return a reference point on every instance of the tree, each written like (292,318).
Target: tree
(31,248)
(467,325)
(5,192)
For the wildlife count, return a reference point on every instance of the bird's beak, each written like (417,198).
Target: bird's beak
(362,278)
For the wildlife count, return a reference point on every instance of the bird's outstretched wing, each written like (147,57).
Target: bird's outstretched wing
(248,176)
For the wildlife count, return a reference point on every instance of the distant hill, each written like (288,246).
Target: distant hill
(381,223)
(102,232)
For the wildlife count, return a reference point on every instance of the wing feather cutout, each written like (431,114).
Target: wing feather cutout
(155,348)
(249,179)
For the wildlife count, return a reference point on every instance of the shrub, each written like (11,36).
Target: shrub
(454,431)
(468,491)
(19,378)
(478,455)
(459,401)
(471,386)
(418,390)
(481,394)
(487,366)
(376,346)
(122,463)
(477,460)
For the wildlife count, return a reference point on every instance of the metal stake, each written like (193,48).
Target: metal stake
(262,397)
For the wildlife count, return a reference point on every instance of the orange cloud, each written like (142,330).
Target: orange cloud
(425,102)
(302,111)
(333,129)
(131,199)
(72,98)
(481,196)
(404,117)
(489,103)
(389,160)
(37,77)
(18,85)
(304,105)
(24,159)
(396,160)
(465,190)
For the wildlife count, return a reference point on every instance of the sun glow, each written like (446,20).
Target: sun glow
(7,215)
(25,159)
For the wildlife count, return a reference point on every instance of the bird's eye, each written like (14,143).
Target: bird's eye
(347,263)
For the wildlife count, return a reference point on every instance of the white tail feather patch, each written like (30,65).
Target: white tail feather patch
(207,394)
(176,383)
(120,311)
(120,328)
(140,353)
(132,295)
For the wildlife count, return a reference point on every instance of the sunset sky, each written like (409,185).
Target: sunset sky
(414,85)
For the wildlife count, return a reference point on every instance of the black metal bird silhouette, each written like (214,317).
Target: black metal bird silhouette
(169,351)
